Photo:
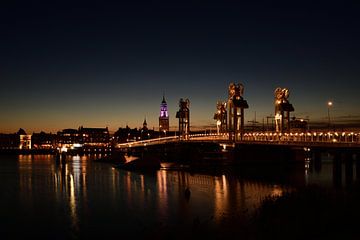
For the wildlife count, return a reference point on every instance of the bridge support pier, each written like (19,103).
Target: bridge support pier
(337,170)
(357,166)
(349,169)
(317,161)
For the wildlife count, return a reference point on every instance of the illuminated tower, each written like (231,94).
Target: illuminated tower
(221,117)
(282,109)
(184,119)
(164,118)
(236,105)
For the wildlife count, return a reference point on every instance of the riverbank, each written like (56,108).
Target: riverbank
(311,212)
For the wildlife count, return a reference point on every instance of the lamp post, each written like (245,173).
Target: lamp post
(329,105)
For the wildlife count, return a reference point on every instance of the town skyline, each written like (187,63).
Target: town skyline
(108,65)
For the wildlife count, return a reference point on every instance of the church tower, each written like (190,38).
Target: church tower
(144,131)
(164,118)
(145,125)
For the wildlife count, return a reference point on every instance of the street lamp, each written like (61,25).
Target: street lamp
(329,105)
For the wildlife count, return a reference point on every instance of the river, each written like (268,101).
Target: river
(86,199)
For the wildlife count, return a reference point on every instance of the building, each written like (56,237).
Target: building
(84,140)
(9,141)
(125,135)
(99,136)
(25,142)
(68,136)
(163,118)
(43,140)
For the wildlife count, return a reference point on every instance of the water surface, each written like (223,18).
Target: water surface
(86,199)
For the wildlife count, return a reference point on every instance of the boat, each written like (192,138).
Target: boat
(173,166)
(134,162)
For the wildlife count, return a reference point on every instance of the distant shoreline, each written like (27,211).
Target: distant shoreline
(27,151)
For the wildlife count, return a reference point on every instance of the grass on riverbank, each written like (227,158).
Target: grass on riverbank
(310,213)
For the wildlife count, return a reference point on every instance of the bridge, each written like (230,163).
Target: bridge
(308,139)
(257,149)
(291,141)
(230,126)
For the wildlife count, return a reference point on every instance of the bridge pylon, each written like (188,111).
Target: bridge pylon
(221,117)
(282,110)
(184,119)
(236,106)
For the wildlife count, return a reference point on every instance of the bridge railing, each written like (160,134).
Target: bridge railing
(314,137)
(308,137)
(209,136)
(148,142)
(334,137)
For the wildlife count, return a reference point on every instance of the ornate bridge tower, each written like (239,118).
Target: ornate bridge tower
(163,118)
(221,117)
(282,109)
(236,106)
(184,118)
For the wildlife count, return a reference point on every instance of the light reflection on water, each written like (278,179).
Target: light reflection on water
(82,198)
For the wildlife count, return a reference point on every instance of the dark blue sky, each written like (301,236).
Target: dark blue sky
(66,64)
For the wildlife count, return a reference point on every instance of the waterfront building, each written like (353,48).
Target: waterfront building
(98,136)
(15,141)
(9,141)
(25,141)
(84,139)
(43,140)
(68,136)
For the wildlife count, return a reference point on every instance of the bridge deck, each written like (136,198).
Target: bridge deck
(335,140)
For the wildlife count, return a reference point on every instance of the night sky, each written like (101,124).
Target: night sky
(97,64)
